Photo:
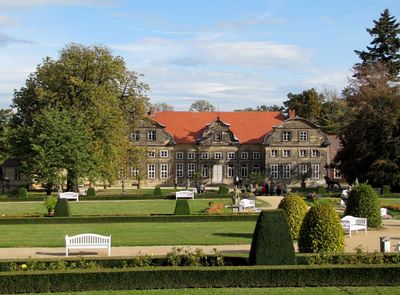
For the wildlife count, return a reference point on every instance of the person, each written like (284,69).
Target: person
(187,183)
(235,197)
(263,191)
(266,187)
(278,190)
(201,188)
(236,181)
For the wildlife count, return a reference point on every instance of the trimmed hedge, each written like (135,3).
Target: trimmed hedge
(157,191)
(91,192)
(223,190)
(62,208)
(196,277)
(182,207)
(22,192)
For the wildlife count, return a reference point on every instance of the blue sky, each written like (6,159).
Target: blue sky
(234,54)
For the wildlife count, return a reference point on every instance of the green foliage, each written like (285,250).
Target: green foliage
(321,231)
(272,242)
(50,202)
(308,104)
(22,192)
(363,202)
(385,189)
(256,177)
(182,207)
(91,192)
(62,208)
(157,191)
(295,209)
(201,106)
(321,190)
(223,190)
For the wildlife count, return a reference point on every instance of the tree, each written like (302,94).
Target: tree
(308,104)
(5,115)
(201,106)
(162,106)
(263,108)
(96,86)
(385,46)
(370,135)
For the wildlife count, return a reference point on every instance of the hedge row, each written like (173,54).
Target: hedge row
(192,277)
(134,218)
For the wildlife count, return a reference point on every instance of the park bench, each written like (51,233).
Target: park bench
(69,196)
(184,195)
(87,241)
(383,212)
(246,203)
(351,223)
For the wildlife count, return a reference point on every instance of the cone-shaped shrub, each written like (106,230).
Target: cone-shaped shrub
(157,191)
(295,209)
(385,189)
(22,193)
(62,208)
(91,192)
(272,242)
(321,230)
(363,202)
(222,190)
(182,207)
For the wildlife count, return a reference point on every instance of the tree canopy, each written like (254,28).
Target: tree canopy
(201,106)
(94,86)
(263,108)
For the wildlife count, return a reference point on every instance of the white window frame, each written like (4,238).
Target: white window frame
(152,154)
(315,171)
(303,136)
(286,136)
(151,135)
(315,153)
(256,168)
(286,154)
(274,171)
(337,174)
(134,172)
(135,136)
(256,156)
(244,155)
(164,153)
(231,155)
(218,156)
(179,155)
(204,171)
(302,153)
(274,153)
(191,169)
(244,170)
(191,155)
(286,171)
(205,155)
(303,169)
(231,170)
(151,171)
(179,170)
(163,171)
(218,136)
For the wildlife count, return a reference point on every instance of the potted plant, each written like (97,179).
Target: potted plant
(50,203)
(304,177)
(256,178)
(139,177)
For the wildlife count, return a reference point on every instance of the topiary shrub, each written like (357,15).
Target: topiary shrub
(182,207)
(386,189)
(272,242)
(321,190)
(222,190)
(295,209)
(22,192)
(62,208)
(91,192)
(157,191)
(363,201)
(321,230)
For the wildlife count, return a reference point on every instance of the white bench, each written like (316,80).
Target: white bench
(350,223)
(87,241)
(69,196)
(383,212)
(184,195)
(246,203)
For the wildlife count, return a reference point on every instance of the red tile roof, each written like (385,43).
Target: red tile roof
(248,127)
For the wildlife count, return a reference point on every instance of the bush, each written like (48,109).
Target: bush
(157,191)
(182,207)
(22,193)
(321,190)
(222,190)
(62,208)
(91,192)
(385,189)
(295,209)
(363,202)
(321,230)
(272,242)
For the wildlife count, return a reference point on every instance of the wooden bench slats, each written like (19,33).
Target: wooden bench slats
(88,241)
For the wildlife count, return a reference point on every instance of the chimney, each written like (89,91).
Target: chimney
(291,114)
(152,111)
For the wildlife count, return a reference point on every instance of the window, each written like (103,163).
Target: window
(315,172)
(303,169)
(274,153)
(274,171)
(303,153)
(204,155)
(179,170)
(204,171)
(121,172)
(164,154)
(315,153)
(135,136)
(151,135)
(218,137)
(191,169)
(256,168)
(244,156)
(231,155)
(286,171)
(231,170)
(286,153)
(179,155)
(164,171)
(152,154)
(337,173)
(286,136)
(244,170)
(256,156)
(17,175)
(151,171)
(191,155)
(134,172)
(303,136)
(218,156)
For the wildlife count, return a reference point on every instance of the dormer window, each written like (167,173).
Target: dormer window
(151,135)
(286,136)
(303,136)
(218,136)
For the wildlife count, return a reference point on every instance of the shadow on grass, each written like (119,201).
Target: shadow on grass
(235,235)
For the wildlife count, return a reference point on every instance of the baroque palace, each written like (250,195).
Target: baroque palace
(225,145)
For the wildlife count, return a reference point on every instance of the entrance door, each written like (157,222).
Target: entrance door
(217,173)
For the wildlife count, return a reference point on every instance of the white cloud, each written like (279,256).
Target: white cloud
(6,21)
(24,4)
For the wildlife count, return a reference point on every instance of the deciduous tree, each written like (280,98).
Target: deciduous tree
(201,106)
(308,105)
